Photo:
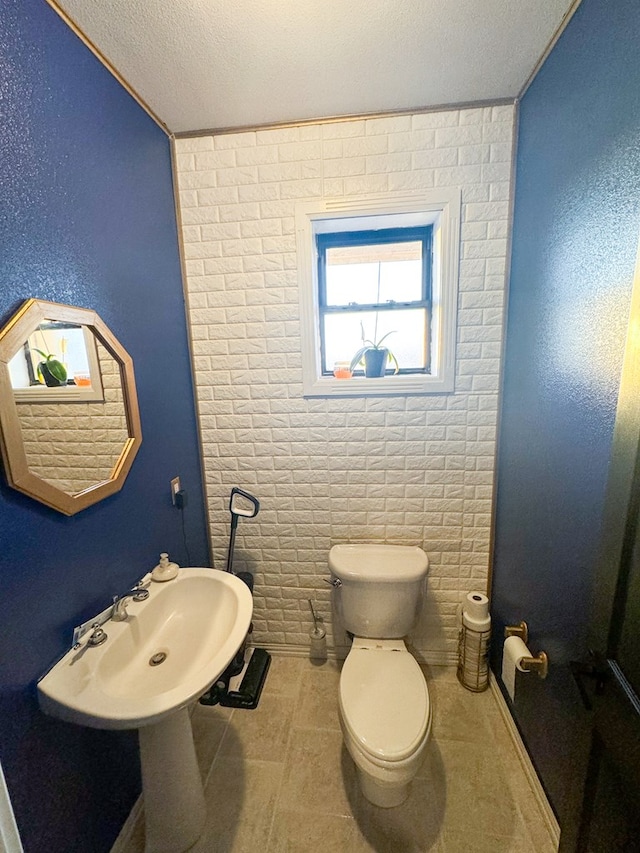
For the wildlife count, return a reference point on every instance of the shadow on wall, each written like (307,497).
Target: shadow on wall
(430,622)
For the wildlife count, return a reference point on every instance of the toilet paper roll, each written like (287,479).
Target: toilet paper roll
(476,605)
(483,624)
(513,652)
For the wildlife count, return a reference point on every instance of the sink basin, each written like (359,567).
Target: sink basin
(193,625)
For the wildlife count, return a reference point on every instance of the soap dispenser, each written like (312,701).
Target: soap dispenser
(164,571)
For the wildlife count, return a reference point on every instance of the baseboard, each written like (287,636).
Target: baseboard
(9,835)
(437,658)
(122,841)
(542,802)
(297,651)
(434,658)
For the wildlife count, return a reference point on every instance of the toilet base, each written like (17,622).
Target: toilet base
(381,795)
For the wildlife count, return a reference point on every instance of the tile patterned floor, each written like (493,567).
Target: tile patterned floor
(278,779)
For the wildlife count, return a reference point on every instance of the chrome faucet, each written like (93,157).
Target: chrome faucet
(116,611)
(119,608)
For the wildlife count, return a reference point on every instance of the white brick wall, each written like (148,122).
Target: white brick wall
(415,470)
(75,445)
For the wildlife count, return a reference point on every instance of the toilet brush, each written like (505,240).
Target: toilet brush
(317,638)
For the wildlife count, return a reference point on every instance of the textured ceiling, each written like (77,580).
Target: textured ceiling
(202,64)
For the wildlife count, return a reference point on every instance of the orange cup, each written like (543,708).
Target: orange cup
(342,370)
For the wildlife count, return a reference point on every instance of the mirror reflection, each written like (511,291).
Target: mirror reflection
(69,420)
(58,361)
(75,447)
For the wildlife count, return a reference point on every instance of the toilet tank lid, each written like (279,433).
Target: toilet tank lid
(378,563)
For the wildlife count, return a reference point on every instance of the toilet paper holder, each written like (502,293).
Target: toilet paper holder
(539,664)
(520,630)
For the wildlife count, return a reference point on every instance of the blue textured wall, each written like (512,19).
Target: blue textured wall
(576,227)
(86,218)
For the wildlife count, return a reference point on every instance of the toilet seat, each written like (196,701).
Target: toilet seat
(384,700)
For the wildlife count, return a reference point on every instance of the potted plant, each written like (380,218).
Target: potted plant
(52,371)
(374,356)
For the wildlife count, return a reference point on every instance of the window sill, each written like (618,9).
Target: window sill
(385,386)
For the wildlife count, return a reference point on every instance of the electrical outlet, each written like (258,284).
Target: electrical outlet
(175,488)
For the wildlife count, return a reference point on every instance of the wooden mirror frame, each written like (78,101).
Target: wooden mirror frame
(12,336)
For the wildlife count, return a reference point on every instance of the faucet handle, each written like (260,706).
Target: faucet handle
(98,635)
(139,593)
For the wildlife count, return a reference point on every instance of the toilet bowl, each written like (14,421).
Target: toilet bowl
(385,715)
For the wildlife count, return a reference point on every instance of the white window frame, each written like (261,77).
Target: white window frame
(439,208)
(65,394)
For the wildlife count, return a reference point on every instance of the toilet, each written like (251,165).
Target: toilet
(385,713)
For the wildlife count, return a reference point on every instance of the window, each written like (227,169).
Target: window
(375,286)
(378,270)
(74,347)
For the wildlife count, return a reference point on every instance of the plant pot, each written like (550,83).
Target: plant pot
(375,362)
(50,380)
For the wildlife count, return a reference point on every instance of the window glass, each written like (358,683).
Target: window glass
(374,289)
(374,273)
(407,338)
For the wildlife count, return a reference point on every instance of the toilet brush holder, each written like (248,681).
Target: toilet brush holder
(318,644)
(317,638)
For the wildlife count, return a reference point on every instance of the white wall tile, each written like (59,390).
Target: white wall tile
(212,160)
(196,143)
(409,469)
(444,118)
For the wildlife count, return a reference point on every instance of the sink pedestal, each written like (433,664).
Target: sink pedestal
(174,804)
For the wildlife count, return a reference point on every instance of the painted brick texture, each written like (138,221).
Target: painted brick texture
(75,453)
(406,470)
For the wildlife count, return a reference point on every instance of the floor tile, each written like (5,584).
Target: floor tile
(413,827)
(260,734)
(469,842)
(317,705)
(314,834)
(240,797)
(319,775)
(477,794)
(208,724)
(284,675)
(459,714)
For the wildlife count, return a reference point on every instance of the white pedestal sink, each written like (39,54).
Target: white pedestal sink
(154,664)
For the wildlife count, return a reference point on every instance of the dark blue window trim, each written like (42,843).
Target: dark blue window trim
(341,239)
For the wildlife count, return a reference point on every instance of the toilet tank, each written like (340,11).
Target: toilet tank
(381,588)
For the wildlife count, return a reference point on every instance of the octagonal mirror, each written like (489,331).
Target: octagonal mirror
(69,418)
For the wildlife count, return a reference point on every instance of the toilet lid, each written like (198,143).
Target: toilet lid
(384,702)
